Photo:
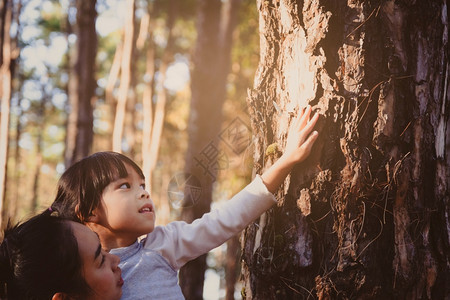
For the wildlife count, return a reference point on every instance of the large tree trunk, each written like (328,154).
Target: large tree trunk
(367,215)
(211,66)
(82,86)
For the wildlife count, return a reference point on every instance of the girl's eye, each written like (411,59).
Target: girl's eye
(103,260)
(124,186)
(143,186)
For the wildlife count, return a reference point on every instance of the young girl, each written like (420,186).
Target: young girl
(49,257)
(106,191)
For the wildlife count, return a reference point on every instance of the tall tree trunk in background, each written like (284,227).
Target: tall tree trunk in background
(231,267)
(113,75)
(4,7)
(147,104)
(82,87)
(211,66)
(13,203)
(130,124)
(367,215)
(154,116)
(40,120)
(161,93)
(125,76)
(5,92)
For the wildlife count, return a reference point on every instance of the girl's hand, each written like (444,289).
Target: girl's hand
(298,146)
(300,139)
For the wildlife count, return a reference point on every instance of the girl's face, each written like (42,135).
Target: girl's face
(126,210)
(100,269)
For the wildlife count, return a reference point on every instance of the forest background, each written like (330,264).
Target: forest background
(140,96)
(164,82)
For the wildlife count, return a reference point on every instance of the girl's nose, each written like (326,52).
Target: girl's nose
(144,194)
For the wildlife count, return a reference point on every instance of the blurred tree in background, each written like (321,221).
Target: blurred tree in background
(204,159)
(79,132)
(84,76)
(6,73)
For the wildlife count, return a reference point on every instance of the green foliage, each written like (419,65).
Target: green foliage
(52,20)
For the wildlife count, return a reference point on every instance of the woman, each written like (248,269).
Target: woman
(48,257)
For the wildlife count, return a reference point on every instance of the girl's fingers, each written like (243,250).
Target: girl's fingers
(304,132)
(307,145)
(305,117)
(296,122)
(302,124)
(311,123)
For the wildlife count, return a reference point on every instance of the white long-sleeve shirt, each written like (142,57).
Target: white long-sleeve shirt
(149,267)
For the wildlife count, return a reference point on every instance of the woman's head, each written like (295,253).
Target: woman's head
(48,257)
(80,187)
(100,269)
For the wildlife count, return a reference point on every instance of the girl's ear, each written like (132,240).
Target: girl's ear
(94,217)
(78,213)
(61,296)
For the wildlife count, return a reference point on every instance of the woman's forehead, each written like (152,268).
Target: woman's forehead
(83,232)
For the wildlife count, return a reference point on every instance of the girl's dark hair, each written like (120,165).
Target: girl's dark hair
(81,186)
(40,258)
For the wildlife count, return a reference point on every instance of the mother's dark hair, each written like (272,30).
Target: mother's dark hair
(40,258)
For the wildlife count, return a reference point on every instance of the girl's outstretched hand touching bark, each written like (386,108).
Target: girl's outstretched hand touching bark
(300,139)
(298,146)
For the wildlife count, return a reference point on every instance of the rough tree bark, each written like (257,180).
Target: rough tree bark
(367,216)
(211,67)
(82,85)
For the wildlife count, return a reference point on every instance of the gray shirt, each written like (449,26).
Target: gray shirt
(146,274)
